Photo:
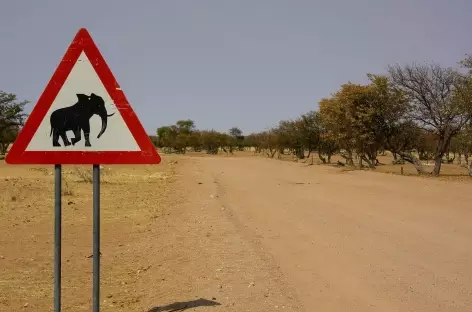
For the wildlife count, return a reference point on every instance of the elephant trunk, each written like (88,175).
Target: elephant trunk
(104,125)
(104,116)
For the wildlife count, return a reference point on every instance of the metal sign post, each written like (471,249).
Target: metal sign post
(96,238)
(57,236)
(90,85)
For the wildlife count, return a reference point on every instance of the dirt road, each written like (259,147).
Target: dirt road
(240,234)
(261,234)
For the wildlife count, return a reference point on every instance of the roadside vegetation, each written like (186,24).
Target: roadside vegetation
(417,113)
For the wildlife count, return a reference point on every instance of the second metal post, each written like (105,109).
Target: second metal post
(96,238)
(57,236)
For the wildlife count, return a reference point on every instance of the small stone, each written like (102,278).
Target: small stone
(25,305)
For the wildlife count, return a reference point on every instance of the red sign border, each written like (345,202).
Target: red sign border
(82,42)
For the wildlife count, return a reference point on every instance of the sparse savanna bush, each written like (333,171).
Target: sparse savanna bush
(419,114)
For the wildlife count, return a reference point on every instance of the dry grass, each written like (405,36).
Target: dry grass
(131,197)
(448,171)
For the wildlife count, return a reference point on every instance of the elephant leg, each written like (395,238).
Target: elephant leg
(64,138)
(86,128)
(55,138)
(78,136)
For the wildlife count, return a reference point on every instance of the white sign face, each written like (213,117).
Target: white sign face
(78,115)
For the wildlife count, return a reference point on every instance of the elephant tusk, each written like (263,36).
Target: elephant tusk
(110,115)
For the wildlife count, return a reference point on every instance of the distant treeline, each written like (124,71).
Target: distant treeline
(416,112)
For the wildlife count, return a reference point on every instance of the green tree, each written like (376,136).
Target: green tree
(237,137)
(185,126)
(211,141)
(309,129)
(12,118)
(154,140)
(439,101)
(463,143)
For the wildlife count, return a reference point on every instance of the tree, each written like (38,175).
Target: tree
(211,141)
(254,140)
(394,129)
(176,137)
(195,141)
(288,136)
(347,118)
(7,136)
(463,143)
(185,126)
(439,101)
(237,138)
(235,132)
(154,140)
(309,129)
(166,136)
(12,118)
(337,126)
(363,115)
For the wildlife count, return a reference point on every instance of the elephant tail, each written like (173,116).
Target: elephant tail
(50,132)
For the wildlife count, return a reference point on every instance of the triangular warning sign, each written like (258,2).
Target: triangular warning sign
(83,117)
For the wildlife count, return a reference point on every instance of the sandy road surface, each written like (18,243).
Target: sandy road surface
(241,234)
(334,241)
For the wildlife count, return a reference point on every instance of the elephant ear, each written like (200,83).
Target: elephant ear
(82,97)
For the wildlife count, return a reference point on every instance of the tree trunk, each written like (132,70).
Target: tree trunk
(300,153)
(348,157)
(371,163)
(3,148)
(322,158)
(409,157)
(442,145)
(437,165)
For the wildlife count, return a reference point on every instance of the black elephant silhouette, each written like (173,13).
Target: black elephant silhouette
(76,118)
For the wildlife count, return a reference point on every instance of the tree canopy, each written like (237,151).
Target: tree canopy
(12,117)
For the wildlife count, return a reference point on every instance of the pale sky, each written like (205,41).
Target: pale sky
(245,63)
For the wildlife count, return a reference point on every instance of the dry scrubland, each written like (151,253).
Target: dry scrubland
(243,232)
(131,198)
(452,172)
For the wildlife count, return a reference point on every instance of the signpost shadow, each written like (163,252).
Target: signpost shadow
(182,306)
